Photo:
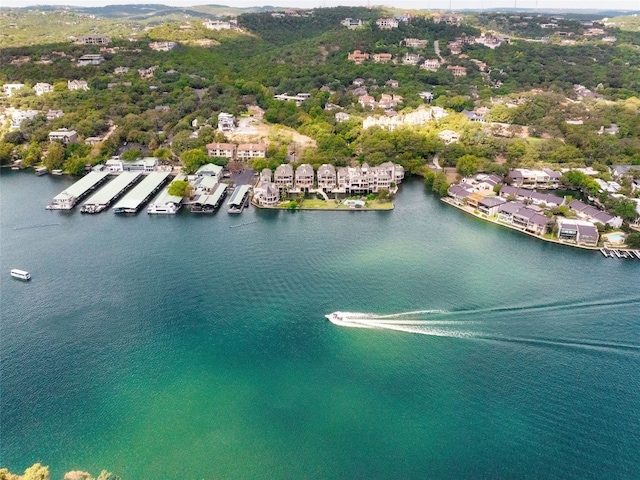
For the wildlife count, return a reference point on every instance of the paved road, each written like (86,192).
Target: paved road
(245,177)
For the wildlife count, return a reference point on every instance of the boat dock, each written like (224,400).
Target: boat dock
(239,199)
(210,203)
(111,192)
(68,198)
(165,203)
(133,201)
(620,253)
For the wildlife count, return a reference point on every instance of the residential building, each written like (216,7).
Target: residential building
(411,59)
(217,25)
(121,70)
(42,88)
(387,23)
(248,151)
(63,136)
(527,178)
(592,214)
(221,150)
(431,64)
(449,136)
(326,177)
(304,177)
(210,170)
(93,40)
(90,59)
(577,231)
(342,117)
(146,165)
(19,116)
(266,194)
(427,96)
(489,205)
(226,122)
(114,165)
(283,177)
(147,72)
(352,23)
(367,101)
(162,46)
(392,83)
(77,85)
(382,57)
(8,88)
(52,115)
(298,99)
(457,71)
(358,57)
(414,43)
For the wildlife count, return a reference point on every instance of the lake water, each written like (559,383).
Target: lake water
(179,348)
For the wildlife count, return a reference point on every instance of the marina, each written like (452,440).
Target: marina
(165,203)
(68,198)
(133,201)
(110,192)
(210,203)
(239,199)
(620,253)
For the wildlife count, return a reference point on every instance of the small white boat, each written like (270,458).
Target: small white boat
(41,171)
(20,274)
(342,319)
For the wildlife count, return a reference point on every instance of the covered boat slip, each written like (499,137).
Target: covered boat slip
(142,192)
(68,198)
(166,203)
(239,199)
(111,192)
(210,203)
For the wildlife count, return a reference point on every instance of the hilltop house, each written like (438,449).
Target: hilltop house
(358,57)
(63,136)
(93,40)
(42,88)
(77,85)
(248,151)
(221,150)
(387,23)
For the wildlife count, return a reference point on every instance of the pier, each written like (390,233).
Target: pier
(239,199)
(110,193)
(210,203)
(166,204)
(620,253)
(133,201)
(68,198)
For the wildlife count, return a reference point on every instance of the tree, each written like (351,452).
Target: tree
(383,194)
(36,472)
(633,240)
(180,188)
(131,155)
(6,150)
(55,156)
(192,159)
(467,165)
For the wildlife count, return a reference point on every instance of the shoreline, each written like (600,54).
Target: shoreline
(450,202)
(311,209)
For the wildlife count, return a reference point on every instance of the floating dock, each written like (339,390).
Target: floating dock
(210,203)
(165,203)
(110,193)
(68,198)
(133,201)
(239,199)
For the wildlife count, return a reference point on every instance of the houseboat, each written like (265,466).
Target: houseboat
(20,274)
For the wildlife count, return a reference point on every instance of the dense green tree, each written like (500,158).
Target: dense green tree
(633,240)
(55,156)
(467,165)
(131,155)
(180,188)
(193,159)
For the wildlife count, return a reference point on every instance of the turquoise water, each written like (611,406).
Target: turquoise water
(177,347)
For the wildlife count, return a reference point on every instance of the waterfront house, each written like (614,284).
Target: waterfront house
(283,177)
(490,205)
(221,150)
(459,194)
(63,136)
(578,231)
(42,88)
(266,175)
(248,151)
(266,194)
(531,220)
(593,214)
(506,211)
(327,177)
(304,177)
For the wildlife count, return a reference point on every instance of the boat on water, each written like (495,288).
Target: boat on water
(20,274)
(344,320)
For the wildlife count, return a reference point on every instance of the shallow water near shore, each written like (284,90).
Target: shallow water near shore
(177,347)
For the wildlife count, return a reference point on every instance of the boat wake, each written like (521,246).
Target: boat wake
(439,323)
